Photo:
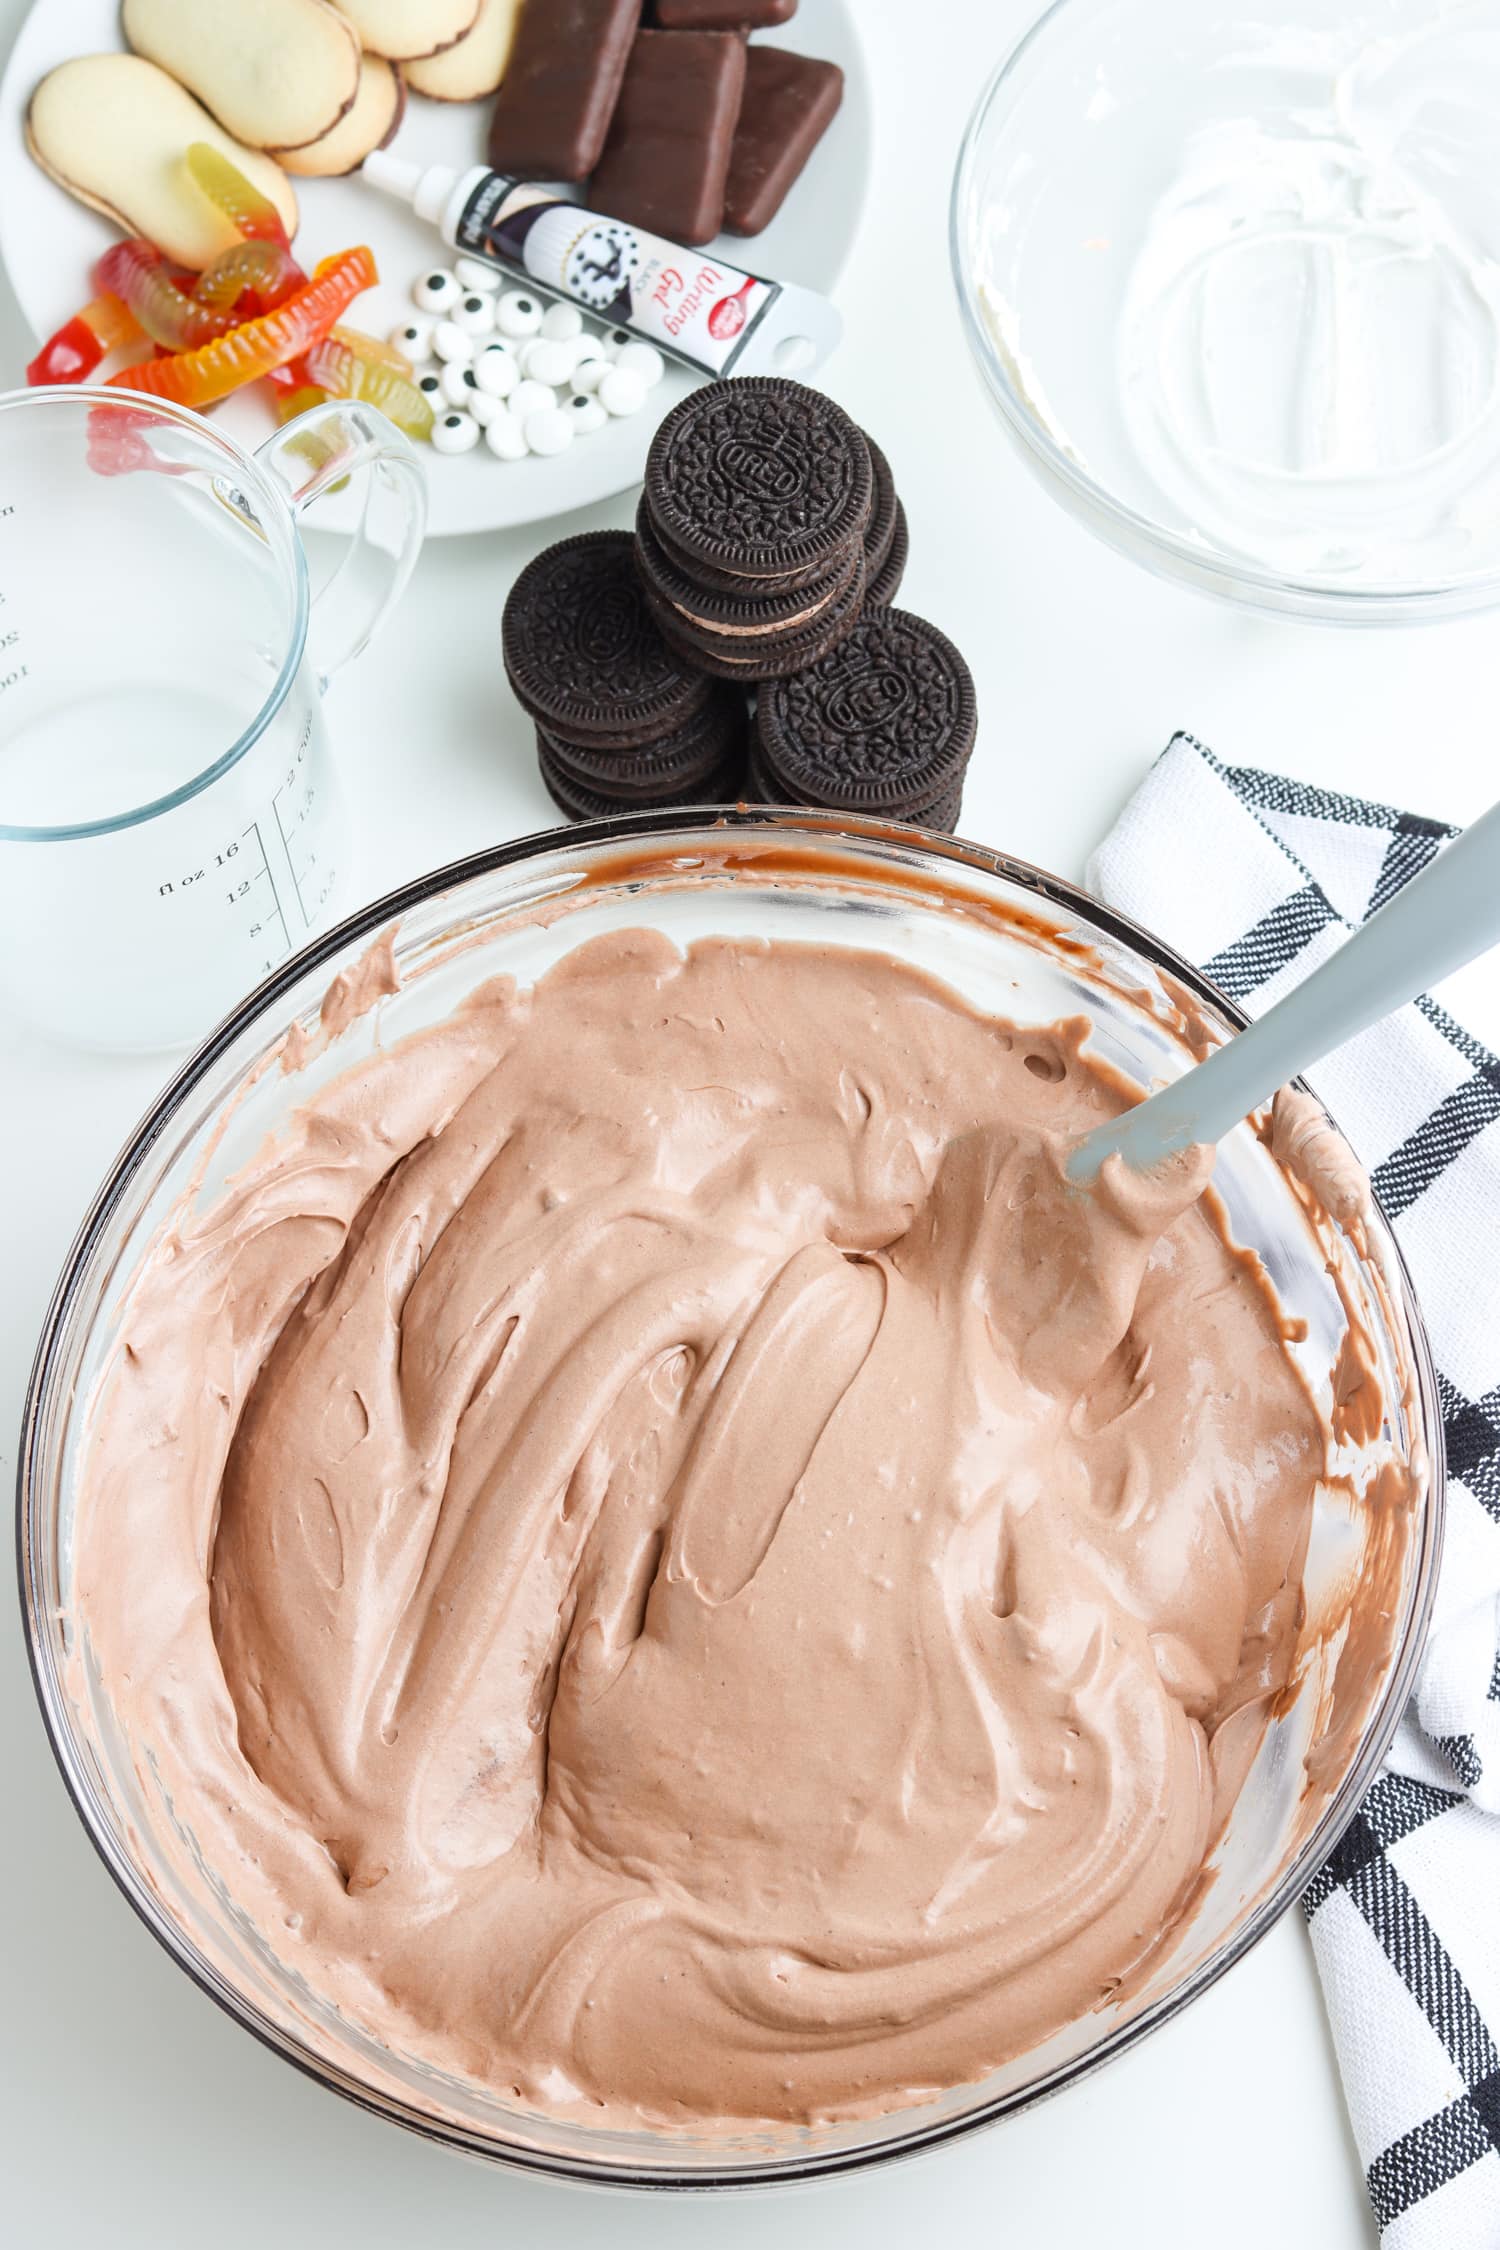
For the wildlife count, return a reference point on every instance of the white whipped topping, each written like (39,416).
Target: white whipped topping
(1309,344)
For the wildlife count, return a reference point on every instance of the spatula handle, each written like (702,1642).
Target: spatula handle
(1443,918)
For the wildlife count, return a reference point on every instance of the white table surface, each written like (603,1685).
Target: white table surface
(132,2112)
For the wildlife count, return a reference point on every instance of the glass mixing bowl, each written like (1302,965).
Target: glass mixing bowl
(1011,940)
(1232,280)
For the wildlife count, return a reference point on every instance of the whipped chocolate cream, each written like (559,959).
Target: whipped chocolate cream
(670,1564)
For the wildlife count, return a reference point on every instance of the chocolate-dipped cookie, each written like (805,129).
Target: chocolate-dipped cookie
(666,157)
(789,102)
(583,653)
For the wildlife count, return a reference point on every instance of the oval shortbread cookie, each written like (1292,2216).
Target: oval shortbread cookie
(114,130)
(276,73)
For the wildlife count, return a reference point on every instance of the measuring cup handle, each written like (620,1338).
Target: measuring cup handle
(319,450)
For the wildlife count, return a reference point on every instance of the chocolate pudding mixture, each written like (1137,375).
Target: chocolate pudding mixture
(668,1561)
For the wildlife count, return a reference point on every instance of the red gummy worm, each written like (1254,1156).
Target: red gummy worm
(79,345)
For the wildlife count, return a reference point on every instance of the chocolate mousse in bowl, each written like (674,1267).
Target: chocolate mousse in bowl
(622,1569)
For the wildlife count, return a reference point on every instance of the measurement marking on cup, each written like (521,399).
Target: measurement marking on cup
(265,862)
(286,840)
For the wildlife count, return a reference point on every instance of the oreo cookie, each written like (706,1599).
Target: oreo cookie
(744,583)
(740,615)
(884,723)
(762,788)
(884,508)
(761,785)
(759,478)
(766,655)
(721,786)
(652,773)
(885,583)
(583,653)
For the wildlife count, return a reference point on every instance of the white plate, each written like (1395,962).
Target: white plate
(49,244)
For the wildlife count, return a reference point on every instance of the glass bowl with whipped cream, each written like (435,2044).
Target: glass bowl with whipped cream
(621,1568)
(1232,280)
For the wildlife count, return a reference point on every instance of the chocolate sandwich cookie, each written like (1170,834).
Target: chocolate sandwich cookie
(678,761)
(761,785)
(745,583)
(759,478)
(881,527)
(885,584)
(763,788)
(720,787)
(583,653)
(884,724)
(770,655)
(738,616)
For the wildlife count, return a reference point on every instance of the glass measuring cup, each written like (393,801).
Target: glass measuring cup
(169,820)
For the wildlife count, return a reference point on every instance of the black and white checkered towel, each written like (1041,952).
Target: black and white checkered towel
(1259,879)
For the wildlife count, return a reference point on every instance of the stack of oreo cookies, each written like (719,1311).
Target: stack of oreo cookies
(766,518)
(883,725)
(769,543)
(620,721)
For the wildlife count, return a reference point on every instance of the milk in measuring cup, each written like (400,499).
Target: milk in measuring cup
(139,924)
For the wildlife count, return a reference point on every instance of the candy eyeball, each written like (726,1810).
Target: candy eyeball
(473,273)
(449,341)
(483,407)
(530,398)
(455,433)
(413,340)
(644,360)
(615,342)
(504,436)
(431,386)
(561,323)
(496,371)
(547,361)
(518,314)
(474,314)
(620,392)
(549,430)
(437,291)
(588,375)
(584,412)
(458,383)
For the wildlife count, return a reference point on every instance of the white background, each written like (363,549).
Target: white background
(132,2112)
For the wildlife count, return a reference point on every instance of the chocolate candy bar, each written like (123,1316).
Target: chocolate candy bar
(723,15)
(560,87)
(667,156)
(788,104)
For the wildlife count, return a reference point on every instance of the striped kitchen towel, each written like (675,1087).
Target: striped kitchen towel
(1260,878)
